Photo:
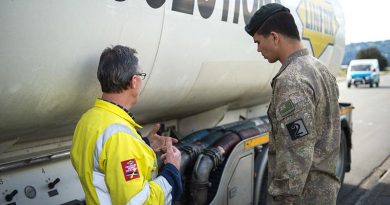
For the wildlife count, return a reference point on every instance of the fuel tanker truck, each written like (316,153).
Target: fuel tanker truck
(206,85)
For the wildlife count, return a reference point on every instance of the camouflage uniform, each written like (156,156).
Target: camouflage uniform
(305,138)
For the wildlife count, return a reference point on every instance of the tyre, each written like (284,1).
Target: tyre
(349,85)
(342,161)
(371,85)
(377,84)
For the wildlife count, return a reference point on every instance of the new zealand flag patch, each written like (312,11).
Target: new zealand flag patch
(297,129)
(130,169)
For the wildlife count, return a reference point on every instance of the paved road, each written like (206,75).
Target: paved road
(371,136)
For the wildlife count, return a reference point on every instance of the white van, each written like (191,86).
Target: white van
(363,71)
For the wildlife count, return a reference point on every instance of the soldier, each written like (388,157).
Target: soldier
(305,140)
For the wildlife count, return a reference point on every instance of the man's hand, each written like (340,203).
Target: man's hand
(172,154)
(157,142)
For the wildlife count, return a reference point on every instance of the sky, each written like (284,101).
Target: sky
(366,20)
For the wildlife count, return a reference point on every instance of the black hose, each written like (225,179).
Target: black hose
(200,184)
(190,152)
(211,158)
(193,137)
(196,143)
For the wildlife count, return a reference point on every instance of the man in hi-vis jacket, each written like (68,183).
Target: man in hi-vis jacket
(114,163)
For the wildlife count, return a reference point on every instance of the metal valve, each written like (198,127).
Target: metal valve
(53,184)
(10,196)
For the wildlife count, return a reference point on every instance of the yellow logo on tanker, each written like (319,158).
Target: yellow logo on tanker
(319,24)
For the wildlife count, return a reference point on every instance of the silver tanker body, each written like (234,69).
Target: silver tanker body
(203,69)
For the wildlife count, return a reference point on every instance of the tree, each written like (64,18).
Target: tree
(373,53)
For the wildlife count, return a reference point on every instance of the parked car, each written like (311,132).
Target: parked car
(363,71)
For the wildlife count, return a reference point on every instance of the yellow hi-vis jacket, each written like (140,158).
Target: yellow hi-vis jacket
(114,164)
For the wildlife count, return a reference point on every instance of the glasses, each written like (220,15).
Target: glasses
(142,75)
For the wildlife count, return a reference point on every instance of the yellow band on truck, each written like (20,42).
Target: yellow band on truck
(262,139)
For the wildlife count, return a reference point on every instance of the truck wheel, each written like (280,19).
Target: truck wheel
(342,161)
(371,85)
(349,85)
(377,84)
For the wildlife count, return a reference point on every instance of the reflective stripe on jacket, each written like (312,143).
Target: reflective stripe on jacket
(114,164)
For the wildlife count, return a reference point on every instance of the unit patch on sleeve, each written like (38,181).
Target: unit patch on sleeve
(297,129)
(286,108)
(130,169)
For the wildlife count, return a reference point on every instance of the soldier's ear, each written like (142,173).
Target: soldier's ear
(275,37)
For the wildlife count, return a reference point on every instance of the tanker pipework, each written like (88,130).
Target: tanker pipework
(194,144)
(199,135)
(196,136)
(190,152)
(211,158)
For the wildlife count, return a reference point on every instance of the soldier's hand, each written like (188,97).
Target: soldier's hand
(172,154)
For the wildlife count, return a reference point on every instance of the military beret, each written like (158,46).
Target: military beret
(262,15)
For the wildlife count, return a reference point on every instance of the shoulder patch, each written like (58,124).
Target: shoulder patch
(130,169)
(286,108)
(297,129)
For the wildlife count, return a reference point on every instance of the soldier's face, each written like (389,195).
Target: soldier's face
(266,46)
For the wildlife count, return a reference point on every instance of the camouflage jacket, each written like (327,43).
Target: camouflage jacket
(305,121)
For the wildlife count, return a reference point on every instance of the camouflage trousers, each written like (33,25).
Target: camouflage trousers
(320,189)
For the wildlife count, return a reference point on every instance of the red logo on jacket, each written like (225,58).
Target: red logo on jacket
(130,169)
